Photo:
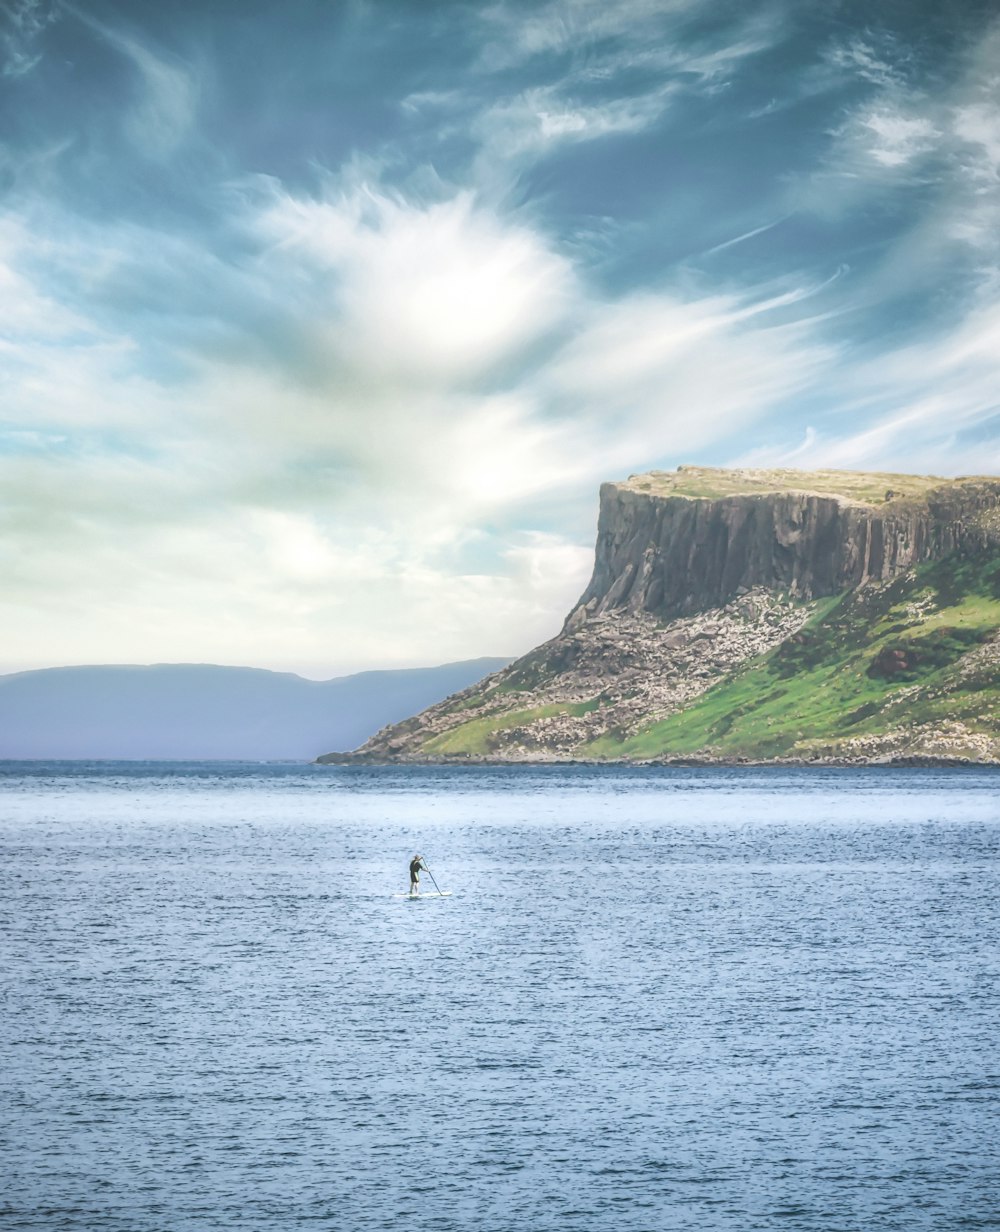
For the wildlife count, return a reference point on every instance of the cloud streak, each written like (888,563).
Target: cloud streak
(164,104)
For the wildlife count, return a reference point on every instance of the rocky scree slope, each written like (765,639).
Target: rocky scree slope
(756,615)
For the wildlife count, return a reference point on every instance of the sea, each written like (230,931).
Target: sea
(655,999)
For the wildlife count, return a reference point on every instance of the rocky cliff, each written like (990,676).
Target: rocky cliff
(744,614)
(673,544)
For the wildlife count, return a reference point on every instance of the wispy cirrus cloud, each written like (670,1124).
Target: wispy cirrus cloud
(21,26)
(164,104)
(928,156)
(598,38)
(891,138)
(934,402)
(620,69)
(517,132)
(887,66)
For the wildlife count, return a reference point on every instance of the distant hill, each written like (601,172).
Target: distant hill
(175,711)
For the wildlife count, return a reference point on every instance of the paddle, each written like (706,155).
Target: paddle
(433,882)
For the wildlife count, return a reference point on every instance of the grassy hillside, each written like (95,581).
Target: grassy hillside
(476,737)
(907,669)
(914,656)
(709,630)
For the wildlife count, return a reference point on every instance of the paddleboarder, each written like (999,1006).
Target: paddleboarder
(416,864)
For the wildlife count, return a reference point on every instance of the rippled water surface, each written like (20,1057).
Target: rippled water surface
(656,999)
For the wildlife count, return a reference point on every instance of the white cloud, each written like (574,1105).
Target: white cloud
(286,506)
(978,125)
(894,139)
(444,291)
(396,376)
(889,142)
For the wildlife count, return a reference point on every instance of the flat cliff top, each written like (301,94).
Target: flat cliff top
(852,487)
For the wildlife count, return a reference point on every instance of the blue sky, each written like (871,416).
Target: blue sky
(322,322)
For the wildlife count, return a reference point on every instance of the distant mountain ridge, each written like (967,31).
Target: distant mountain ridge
(752,615)
(209,712)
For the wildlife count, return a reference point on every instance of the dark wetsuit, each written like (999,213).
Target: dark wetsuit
(415,867)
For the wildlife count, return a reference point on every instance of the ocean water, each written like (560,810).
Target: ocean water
(656,999)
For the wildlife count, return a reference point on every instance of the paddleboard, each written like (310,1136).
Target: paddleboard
(428,894)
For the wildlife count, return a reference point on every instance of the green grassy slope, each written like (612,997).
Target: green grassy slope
(476,737)
(868,664)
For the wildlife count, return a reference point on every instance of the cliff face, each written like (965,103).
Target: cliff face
(663,551)
(756,615)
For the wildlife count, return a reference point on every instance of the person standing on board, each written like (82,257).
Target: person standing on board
(416,864)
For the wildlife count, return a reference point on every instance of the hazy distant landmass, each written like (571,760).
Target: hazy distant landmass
(175,711)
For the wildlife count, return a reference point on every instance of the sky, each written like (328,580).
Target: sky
(321,323)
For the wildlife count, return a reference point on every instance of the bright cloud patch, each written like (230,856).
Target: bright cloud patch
(439,291)
(897,139)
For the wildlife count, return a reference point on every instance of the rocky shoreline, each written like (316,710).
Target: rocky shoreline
(928,762)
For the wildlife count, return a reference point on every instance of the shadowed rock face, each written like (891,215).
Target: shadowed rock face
(673,555)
